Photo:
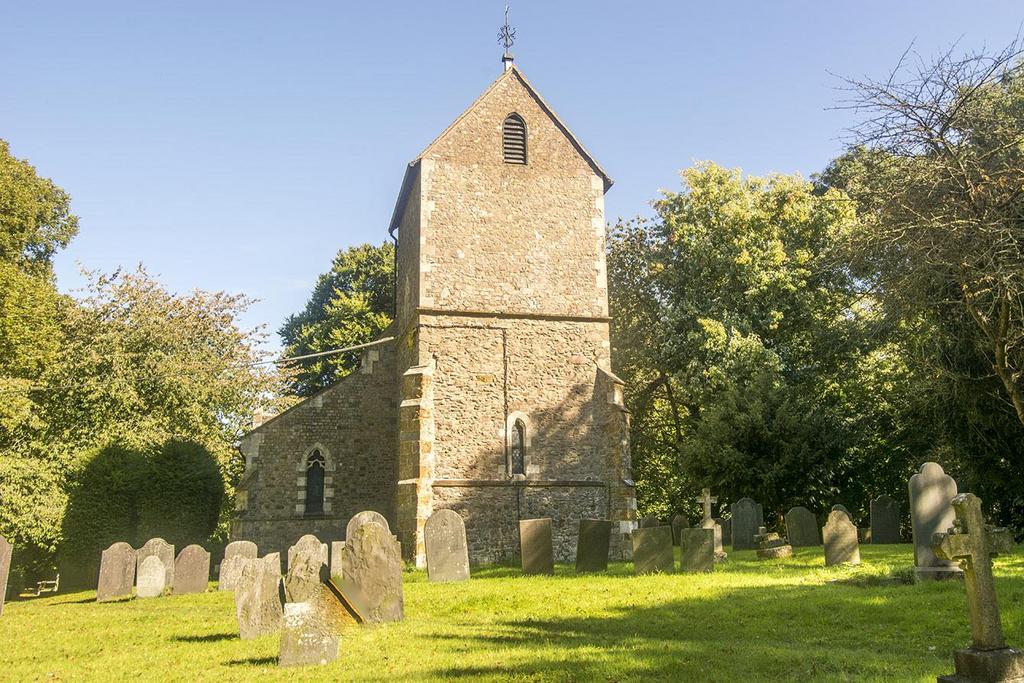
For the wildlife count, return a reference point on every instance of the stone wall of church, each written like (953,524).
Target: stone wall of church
(353,423)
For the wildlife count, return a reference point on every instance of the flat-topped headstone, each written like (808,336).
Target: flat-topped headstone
(535,546)
(802,528)
(885,520)
(931,512)
(373,565)
(163,550)
(679,522)
(192,570)
(6,550)
(258,596)
(151,577)
(697,550)
(117,572)
(444,537)
(305,559)
(235,554)
(648,522)
(652,550)
(840,537)
(592,545)
(306,638)
(321,550)
(361,518)
(747,516)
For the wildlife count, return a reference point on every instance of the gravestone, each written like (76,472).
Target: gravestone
(931,512)
(6,550)
(306,638)
(652,550)
(321,550)
(117,572)
(152,577)
(235,555)
(444,537)
(679,522)
(842,508)
(648,522)
(192,570)
(840,536)
(305,559)
(535,546)
(163,550)
(973,543)
(712,523)
(771,546)
(697,550)
(885,520)
(725,523)
(802,528)
(592,545)
(372,564)
(747,516)
(258,596)
(361,518)
(336,554)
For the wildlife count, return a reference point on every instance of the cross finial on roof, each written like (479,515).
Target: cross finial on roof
(507,37)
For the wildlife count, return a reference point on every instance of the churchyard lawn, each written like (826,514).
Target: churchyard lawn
(750,620)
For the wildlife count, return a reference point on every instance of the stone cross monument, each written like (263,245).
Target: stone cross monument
(707,499)
(973,543)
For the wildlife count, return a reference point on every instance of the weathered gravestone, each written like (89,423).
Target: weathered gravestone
(842,508)
(192,570)
(840,536)
(258,596)
(679,522)
(305,559)
(312,629)
(444,538)
(648,522)
(747,516)
(117,572)
(652,550)
(373,565)
(6,550)
(771,546)
(697,550)
(163,550)
(714,524)
(974,543)
(321,549)
(235,555)
(535,546)
(361,518)
(802,528)
(337,548)
(152,577)
(885,520)
(592,545)
(931,512)
(725,525)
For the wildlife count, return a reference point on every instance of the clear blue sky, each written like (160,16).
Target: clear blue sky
(239,145)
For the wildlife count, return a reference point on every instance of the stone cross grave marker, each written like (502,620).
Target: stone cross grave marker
(535,546)
(747,516)
(257,594)
(152,577)
(372,565)
(652,550)
(840,536)
(192,570)
(444,536)
(802,528)
(931,512)
(709,522)
(697,550)
(592,545)
(973,543)
(885,520)
(163,550)
(117,572)
(235,555)
(679,522)
(6,550)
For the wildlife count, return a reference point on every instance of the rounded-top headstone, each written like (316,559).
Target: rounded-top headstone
(679,522)
(747,516)
(842,508)
(305,560)
(373,566)
(163,550)
(152,577)
(235,555)
(840,538)
(192,570)
(117,572)
(361,518)
(243,548)
(445,540)
(802,528)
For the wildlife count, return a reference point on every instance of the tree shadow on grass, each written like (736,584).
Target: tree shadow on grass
(208,638)
(253,661)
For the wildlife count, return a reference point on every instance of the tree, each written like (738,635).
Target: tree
(351,304)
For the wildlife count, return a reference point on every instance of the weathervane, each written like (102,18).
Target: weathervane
(506,37)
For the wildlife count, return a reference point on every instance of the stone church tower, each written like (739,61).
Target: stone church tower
(492,392)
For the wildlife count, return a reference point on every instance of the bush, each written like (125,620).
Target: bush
(184,490)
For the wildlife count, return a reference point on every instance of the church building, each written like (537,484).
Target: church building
(492,393)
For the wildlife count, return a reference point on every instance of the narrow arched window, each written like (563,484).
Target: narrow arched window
(315,483)
(518,447)
(513,139)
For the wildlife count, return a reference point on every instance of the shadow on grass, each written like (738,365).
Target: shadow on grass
(253,661)
(208,638)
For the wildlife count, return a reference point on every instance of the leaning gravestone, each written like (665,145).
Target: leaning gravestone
(885,520)
(192,570)
(6,550)
(802,528)
(152,577)
(163,550)
(931,512)
(444,536)
(652,550)
(679,522)
(322,549)
(235,555)
(592,545)
(373,565)
(697,550)
(747,516)
(305,559)
(117,572)
(840,536)
(258,596)
(361,518)
(535,546)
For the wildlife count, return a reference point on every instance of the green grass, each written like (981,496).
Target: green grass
(749,621)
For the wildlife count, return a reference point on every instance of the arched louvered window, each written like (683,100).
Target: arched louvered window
(315,483)
(518,447)
(513,139)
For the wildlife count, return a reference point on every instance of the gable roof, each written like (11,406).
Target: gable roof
(412,170)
